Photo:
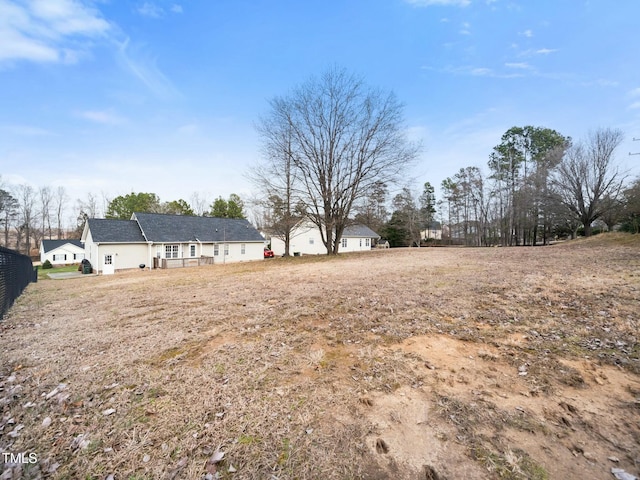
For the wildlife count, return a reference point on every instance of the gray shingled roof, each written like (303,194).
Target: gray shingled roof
(106,230)
(48,245)
(359,231)
(160,228)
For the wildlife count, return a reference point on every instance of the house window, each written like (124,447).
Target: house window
(192,250)
(366,242)
(311,240)
(344,243)
(108,259)
(226,249)
(59,257)
(171,251)
(360,242)
(78,256)
(242,248)
(216,250)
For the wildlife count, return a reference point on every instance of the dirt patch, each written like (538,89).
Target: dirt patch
(517,363)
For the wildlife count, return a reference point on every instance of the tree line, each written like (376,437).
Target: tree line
(29,215)
(540,186)
(333,148)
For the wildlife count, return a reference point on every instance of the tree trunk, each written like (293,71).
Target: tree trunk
(287,244)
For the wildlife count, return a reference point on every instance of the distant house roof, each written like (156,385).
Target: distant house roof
(359,231)
(161,228)
(48,245)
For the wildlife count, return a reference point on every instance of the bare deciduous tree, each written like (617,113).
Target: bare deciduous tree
(46,196)
(8,213)
(276,179)
(199,203)
(344,136)
(61,198)
(26,223)
(587,176)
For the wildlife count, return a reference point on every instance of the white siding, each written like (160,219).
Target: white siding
(305,239)
(124,256)
(68,249)
(252,251)
(356,244)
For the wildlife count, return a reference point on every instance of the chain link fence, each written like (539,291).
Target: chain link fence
(16,272)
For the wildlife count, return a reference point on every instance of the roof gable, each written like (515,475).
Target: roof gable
(107,230)
(48,245)
(359,231)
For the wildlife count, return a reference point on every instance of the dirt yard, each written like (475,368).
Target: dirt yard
(432,363)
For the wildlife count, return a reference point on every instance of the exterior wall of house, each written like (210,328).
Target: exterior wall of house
(64,255)
(435,234)
(305,239)
(127,256)
(356,244)
(240,252)
(123,256)
(235,251)
(89,246)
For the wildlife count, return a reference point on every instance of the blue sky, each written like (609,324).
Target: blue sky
(162,96)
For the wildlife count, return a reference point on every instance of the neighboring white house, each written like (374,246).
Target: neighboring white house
(153,240)
(306,240)
(61,252)
(433,232)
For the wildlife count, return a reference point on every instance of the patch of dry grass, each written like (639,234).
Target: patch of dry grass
(280,364)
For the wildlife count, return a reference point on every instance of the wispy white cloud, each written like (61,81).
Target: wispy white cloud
(527,33)
(474,71)
(511,70)
(149,9)
(25,130)
(635,92)
(153,10)
(481,72)
(465,29)
(446,3)
(634,106)
(539,51)
(605,82)
(48,31)
(519,65)
(106,117)
(144,67)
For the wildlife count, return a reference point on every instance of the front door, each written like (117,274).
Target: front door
(108,267)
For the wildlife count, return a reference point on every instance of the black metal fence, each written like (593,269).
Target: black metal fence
(16,272)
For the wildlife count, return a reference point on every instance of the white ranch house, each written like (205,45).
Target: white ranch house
(306,240)
(61,252)
(152,240)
